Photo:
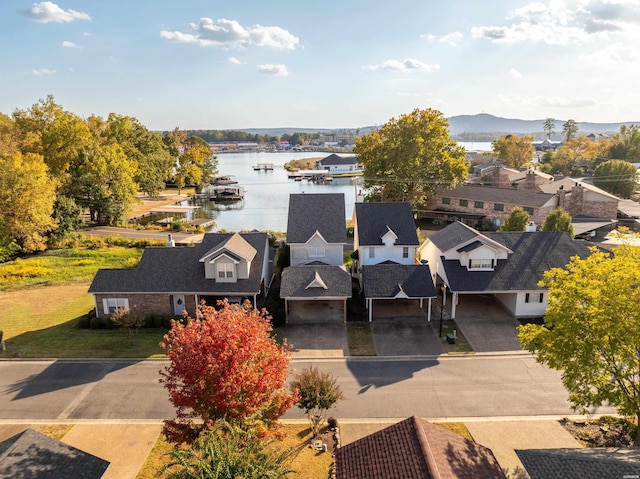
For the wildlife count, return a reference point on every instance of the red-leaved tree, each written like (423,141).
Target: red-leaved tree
(224,364)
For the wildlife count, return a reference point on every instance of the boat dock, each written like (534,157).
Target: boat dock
(263,167)
(222,193)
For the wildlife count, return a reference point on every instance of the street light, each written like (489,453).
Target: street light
(443,288)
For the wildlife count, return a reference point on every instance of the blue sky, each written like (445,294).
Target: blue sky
(332,64)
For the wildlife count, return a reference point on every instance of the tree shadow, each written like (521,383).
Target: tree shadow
(472,460)
(377,374)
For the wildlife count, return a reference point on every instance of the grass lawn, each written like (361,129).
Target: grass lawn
(360,339)
(448,326)
(307,463)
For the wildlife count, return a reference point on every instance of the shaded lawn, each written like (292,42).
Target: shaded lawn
(360,339)
(308,463)
(448,326)
(41,322)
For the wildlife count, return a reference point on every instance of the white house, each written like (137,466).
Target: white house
(337,165)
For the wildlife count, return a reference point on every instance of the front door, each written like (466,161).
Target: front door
(178,304)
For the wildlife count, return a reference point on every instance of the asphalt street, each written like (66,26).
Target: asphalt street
(442,387)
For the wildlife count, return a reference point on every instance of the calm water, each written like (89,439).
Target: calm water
(266,198)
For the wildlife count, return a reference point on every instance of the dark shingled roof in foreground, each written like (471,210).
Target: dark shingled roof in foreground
(415,449)
(31,454)
(375,219)
(309,213)
(296,279)
(533,254)
(179,270)
(601,463)
(387,280)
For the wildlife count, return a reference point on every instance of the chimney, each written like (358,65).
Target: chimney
(531,227)
(170,242)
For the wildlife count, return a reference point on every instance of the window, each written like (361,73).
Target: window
(481,263)
(405,251)
(372,252)
(446,201)
(316,252)
(498,207)
(534,298)
(112,305)
(464,203)
(528,209)
(478,204)
(225,270)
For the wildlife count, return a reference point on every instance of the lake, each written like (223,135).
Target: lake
(266,200)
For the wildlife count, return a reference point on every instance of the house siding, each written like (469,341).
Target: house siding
(517,305)
(146,303)
(299,253)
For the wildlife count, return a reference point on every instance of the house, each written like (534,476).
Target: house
(384,257)
(475,204)
(507,265)
(337,165)
(579,198)
(547,144)
(31,454)
(169,280)
(316,235)
(415,449)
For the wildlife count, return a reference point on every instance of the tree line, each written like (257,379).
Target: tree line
(55,165)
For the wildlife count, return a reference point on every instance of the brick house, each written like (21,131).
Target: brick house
(169,280)
(579,198)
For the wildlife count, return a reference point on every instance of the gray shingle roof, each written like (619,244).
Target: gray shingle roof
(415,449)
(313,212)
(452,236)
(179,270)
(533,254)
(296,280)
(601,463)
(387,280)
(375,219)
(510,196)
(334,159)
(237,245)
(31,454)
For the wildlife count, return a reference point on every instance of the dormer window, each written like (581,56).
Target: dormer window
(482,263)
(225,270)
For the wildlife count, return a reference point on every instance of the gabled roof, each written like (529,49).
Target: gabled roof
(334,159)
(567,183)
(533,254)
(179,270)
(458,235)
(313,212)
(236,245)
(388,280)
(415,449)
(34,455)
(579,463)
(315,281)
(511,196)
(374,220)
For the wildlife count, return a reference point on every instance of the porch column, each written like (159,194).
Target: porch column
(286,311)
(95,305)
(370,308)
(454,302)
(344,310)
(255,299)
(421,302)
(429,311)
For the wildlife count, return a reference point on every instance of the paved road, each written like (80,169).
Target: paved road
(445,387)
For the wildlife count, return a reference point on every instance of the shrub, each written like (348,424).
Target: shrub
(95,323)
(83,322)
(332,422)
(158,321)
(108,323)
(149,321)
(166,322)
(129,320)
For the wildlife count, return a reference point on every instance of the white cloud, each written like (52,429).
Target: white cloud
(275,70)
(225,33)
(612,56)
(235,61)
(429,36)
(68,44)
(406,66)
(48,12)
(515,73)
(452,38)
(43,71)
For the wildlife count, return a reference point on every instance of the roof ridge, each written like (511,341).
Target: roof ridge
(423,441)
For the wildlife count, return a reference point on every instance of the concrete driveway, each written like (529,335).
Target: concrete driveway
(317,329)
(486,324)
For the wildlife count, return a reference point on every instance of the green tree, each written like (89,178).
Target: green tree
(27,195)
(410,158)
(569,129)
(558,220)
(517,220)
(228,452)
(549,126)
(514,151)
(617,177)
(318,392)
(68,216)
(625,145)
(591,330)
(196,166)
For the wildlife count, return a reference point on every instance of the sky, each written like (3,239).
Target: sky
(212,64)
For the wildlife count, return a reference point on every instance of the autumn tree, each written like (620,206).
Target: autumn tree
(9,137)
(514,151)
(125,318)
(196,165)
(517,220)
(574,156)
(617,177)
(558,220)
(569,129)
(27,195)
(549,126)
(410,158)
(318,392)
(224,365)
(591,330)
